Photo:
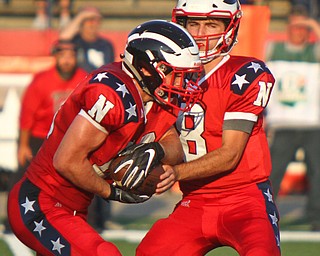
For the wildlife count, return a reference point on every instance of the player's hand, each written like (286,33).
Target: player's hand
(122,196)
(168,178)
(141,159)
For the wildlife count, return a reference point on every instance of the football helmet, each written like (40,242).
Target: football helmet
(229,10)
(171,57)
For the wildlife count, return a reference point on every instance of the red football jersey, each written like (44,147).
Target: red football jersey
(109,99)
(158,121)
(238,89)
(43,98)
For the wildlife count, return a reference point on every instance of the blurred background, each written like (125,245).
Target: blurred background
(28,29)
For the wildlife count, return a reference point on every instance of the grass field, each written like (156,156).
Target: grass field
(288,249)
(128,248)
(288,222)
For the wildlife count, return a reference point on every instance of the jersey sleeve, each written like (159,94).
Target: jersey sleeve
(107,103)
(250,89)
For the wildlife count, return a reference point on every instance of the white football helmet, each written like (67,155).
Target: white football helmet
(162,47)
(230,10)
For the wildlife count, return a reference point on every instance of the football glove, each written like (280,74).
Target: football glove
(122,196)
(141,158)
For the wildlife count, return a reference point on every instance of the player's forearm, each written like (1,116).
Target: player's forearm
(216,162)
(71,158)
(81,174)
(172,147)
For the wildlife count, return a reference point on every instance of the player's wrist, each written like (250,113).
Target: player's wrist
(178,172)
(159,150)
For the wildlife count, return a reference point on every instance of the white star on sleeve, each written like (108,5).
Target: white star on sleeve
(274,218)
(100,76)
(131,111)
(57,246)
(255,66)
(268,194)
(122,88)
(240,81)
(28,205)
(39,227)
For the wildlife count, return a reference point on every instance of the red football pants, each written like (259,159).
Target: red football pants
(245,219)
(49,228)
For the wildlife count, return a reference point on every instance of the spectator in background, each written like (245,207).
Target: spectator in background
(312,7)
(42,98)
(41,20)
(298,46)
(288,136)
(93,50)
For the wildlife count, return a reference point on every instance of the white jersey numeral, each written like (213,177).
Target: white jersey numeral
(100,108)
(191,127)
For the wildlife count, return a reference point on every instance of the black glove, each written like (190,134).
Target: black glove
(122,196)
(142,159)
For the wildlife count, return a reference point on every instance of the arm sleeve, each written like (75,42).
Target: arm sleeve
(102,107)
(247,104)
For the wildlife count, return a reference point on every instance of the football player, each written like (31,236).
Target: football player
(227,197)
(107,111)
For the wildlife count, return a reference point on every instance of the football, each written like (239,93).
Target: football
(117,176)
(149,185)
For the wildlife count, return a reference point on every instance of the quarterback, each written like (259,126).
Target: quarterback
(109,110)
(227,197)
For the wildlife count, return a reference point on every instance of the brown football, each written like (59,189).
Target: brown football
(112,168)
(149,185)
